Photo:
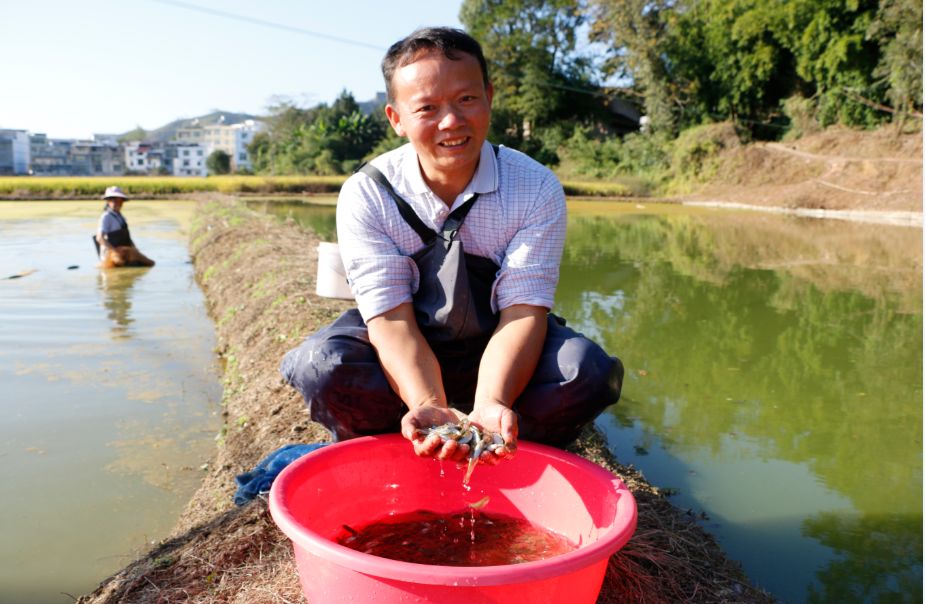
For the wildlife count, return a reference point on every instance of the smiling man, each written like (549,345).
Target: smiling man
(452,249)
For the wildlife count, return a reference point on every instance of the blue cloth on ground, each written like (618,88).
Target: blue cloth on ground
(258,480)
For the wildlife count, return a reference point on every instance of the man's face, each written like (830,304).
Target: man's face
(443,107)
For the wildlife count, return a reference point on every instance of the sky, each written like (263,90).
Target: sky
(72,68)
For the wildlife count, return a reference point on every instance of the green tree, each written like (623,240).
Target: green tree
(218,162)
(636,33)
(730,58)
(703,60)
(897,28)
(320,140)
(541,80)
(835,57)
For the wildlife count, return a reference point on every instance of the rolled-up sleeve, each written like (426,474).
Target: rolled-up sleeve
(530,268)
(380,276)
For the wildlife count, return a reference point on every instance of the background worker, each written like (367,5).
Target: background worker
(114,243)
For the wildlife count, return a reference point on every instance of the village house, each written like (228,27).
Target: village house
(22,153)
(14,152)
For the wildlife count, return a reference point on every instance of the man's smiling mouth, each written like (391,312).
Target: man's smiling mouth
(454,142)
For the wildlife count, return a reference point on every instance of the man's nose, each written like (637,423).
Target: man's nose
(451,119)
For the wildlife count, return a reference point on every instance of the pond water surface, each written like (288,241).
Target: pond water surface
(109,394)
(774,382)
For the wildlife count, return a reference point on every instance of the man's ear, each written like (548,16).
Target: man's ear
(394,120)
(490,93)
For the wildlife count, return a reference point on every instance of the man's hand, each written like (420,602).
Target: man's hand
(414,374)
(423,417)
(494,417)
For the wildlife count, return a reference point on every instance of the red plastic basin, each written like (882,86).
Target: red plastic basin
(359,481)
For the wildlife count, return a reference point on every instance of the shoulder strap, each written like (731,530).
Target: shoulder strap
(455,219)
(404,208)
(450,226)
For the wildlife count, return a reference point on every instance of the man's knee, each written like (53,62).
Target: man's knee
(589,372)
(574,383)
(325,360)
(339,375)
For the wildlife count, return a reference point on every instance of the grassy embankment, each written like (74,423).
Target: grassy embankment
(91,187)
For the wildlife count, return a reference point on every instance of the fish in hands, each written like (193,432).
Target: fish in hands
(484,446)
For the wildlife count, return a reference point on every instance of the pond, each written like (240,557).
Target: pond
(110,394)
(774,382)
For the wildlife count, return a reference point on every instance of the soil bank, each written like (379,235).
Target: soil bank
(258,276)
(865,175)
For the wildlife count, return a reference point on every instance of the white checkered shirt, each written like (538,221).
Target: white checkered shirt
(518,222)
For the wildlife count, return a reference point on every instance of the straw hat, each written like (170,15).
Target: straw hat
(114,192)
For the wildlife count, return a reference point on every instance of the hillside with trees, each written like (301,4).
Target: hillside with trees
(627,89)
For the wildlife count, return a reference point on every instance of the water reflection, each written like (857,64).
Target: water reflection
(749,340)
(880,558)
(318,216)
(116,284)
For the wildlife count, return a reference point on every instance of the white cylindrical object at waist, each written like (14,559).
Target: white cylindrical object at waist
(332,277)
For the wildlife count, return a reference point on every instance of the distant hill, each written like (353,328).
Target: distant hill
(167,132)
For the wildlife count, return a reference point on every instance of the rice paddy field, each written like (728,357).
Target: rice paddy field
(90,187)
(71,187)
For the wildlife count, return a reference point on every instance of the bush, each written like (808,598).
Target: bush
(801,112)
(609,156)
(694,152)
(218,162)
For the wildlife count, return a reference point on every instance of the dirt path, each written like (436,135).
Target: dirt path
(840,173)
(783,148)
(258,278)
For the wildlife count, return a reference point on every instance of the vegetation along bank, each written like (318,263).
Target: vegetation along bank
(258,276)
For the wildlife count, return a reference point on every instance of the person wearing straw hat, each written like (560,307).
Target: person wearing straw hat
(442,334)
(113,242)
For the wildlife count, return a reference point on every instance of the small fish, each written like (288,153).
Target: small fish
(468,434)
(22,274)
(350,530)
(478,505)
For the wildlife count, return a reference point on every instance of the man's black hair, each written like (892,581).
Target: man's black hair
(447,40)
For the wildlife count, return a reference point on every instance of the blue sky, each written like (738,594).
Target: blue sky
(71,68)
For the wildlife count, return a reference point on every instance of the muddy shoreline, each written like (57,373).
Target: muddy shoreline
(258,276)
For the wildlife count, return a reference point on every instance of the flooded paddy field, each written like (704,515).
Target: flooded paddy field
(110,394)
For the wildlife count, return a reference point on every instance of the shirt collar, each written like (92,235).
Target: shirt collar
(485,179)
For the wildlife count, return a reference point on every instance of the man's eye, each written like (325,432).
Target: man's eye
(425,108)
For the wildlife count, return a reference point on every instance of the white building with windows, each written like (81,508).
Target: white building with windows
(243,136)
(146,158)
(187,159)
(15,153)
(233,139)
